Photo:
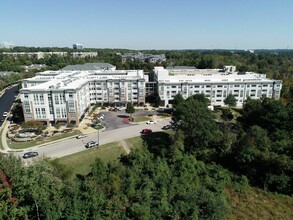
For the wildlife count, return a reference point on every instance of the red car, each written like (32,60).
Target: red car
(146,131)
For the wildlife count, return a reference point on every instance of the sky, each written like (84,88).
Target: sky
(152,24)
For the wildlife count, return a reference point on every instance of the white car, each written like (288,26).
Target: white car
(5,114)
(81,136)
(91,144)
(151,122)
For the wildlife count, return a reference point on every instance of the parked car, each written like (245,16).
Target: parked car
(151,122)
(102,117)
(81,136)
(94,124)
(146,131)
(111,109)
(166,127)
(30,154)
(91,144)
(2,119)
(5,114)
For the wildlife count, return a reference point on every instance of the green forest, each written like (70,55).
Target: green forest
(184,174)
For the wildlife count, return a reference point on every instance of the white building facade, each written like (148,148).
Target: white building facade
(215,84)
(66,95)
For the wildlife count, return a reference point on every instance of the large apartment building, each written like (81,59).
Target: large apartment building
(152,58)
(65,95)
(216,84)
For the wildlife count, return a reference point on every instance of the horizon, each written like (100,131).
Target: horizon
(163,25)
(183,49)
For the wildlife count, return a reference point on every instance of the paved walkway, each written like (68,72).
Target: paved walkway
(125,146)
(3,137)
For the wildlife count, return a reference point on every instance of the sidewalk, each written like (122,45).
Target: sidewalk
(3,137)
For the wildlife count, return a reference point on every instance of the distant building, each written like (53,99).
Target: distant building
(7,45)
(84,54)
(6,73)
(36,55)
(34,67)
(77,46)
(151,58)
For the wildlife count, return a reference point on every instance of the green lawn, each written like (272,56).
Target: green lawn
(141,118)
(81,162)
(135,142)
(23,145)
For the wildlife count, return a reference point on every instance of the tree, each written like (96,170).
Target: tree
(17,113)
(130,108)
(230,100)
(177,100)
(226,115)
(158,101)
(198,125)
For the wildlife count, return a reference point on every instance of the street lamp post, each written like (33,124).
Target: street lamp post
(99,136)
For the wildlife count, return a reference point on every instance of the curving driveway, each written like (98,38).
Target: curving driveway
(71,146)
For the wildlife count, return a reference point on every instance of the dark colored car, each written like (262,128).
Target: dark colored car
(30,154)
(91,144)
(166,127)
(146,131)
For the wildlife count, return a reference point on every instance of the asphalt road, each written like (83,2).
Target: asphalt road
(6,100)
(74,145)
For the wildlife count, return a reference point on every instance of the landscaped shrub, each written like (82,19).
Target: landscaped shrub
(33,124)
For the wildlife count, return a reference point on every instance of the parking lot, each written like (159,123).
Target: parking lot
(114,120)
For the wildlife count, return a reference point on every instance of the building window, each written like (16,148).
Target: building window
(27,108)
(71,106)
(58,113)
(43,113)
(36,99)
(42,99)
(38,112)
(64,115)
(56,99)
